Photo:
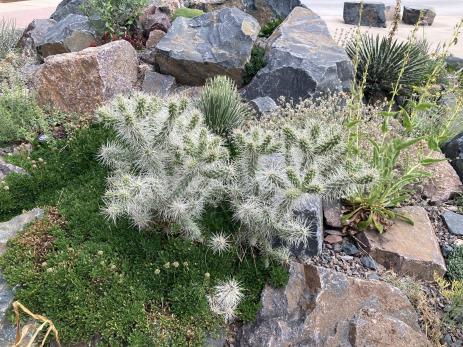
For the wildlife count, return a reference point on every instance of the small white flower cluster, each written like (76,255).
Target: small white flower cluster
(219,243)
(225,299)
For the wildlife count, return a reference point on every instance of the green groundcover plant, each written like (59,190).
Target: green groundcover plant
(91,276)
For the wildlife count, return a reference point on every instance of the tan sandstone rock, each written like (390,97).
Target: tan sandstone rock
(444,182)
(154,38)
(81,82)
(324,308)
(407,249)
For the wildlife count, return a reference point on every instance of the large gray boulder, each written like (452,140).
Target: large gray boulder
(67,7)
(262,10)
(302,60)
(72,34)
(371,14)
(35,33)
(324,308)
(216,43)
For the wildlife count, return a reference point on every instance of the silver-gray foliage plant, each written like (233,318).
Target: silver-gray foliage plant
(277,170)
(166,165)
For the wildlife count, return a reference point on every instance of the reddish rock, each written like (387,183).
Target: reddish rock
(83,81)
(324,308)
(154,19)
(444,182)
(407,249)
(333,239)
(154,38)
(332,213)
(388,331)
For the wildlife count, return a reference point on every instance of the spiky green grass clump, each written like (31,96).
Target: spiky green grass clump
(222,106)
(381,62)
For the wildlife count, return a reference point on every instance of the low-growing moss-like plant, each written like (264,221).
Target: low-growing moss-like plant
(256,63)
(269,27)
(455,266)
(89,276)
(21,118)
(222,106)
(166,165)
(277,171)
(380,61)
(452,291)
(187,13)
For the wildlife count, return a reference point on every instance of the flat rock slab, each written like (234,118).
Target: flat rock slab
(454,222)
(303,61)
(7,330)
(418,15)
(216,43)
(322,307)
(81,82)
(17,224)
(371,14)
(6,169)
(411,250)
(72,34)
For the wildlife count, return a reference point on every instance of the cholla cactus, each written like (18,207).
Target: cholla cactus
(277,170)
(166,165)
(219,243)
(225,299)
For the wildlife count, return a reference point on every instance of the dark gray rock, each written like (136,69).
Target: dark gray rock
(263,105)
(35,32)
(72,34)
(67,7)
(158,84)
(373,14)
(311,211)
(454,222)
(454,151)
(446,250)
(262,10)
(303,61)
(318,307)
(349,248)
(418,15)
(216,43)
(7,330)
(455,63)
(6,169)
(369,263)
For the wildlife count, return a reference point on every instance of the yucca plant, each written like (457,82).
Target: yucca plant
(379,60)
(166,166)
(222,105)
(8,36)
(277,171)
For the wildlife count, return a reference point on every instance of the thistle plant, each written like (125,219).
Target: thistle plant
(166,166)
(276,171)
(222,106)
(225,299)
